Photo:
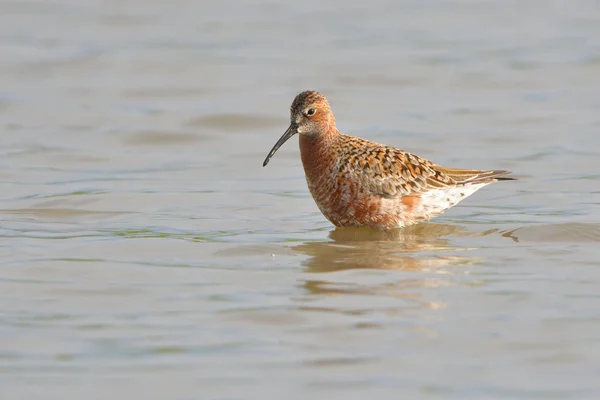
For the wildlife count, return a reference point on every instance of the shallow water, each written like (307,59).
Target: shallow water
(145,252)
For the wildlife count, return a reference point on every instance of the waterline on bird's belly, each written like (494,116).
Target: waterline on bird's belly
(424,230)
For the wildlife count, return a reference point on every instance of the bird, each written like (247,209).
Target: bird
(358,183)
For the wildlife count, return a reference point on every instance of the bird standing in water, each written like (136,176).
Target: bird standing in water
(358,183)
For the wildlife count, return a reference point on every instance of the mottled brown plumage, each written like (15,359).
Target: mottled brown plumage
(358,183)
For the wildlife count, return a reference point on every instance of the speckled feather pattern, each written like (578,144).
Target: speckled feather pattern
(359,183)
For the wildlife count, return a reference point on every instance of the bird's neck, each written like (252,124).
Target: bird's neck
(318,151)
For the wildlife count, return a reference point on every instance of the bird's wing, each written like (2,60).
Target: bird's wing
(389,172)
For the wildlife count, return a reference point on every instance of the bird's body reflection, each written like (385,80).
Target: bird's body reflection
(425,251)
(413,248)
(422,257)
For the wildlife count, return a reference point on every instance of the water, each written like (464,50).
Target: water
(145,252)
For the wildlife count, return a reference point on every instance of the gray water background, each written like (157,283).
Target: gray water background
(145,253)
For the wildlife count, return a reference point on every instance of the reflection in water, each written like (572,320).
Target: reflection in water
(423,248)
(413,248)
(416,248)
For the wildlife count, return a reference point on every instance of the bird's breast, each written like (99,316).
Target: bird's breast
(319,160)
(340,197)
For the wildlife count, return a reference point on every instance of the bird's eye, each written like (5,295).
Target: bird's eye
(310,111)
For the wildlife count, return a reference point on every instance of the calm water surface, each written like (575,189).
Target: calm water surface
(146,254)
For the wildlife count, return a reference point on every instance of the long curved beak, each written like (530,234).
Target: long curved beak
(291,131)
